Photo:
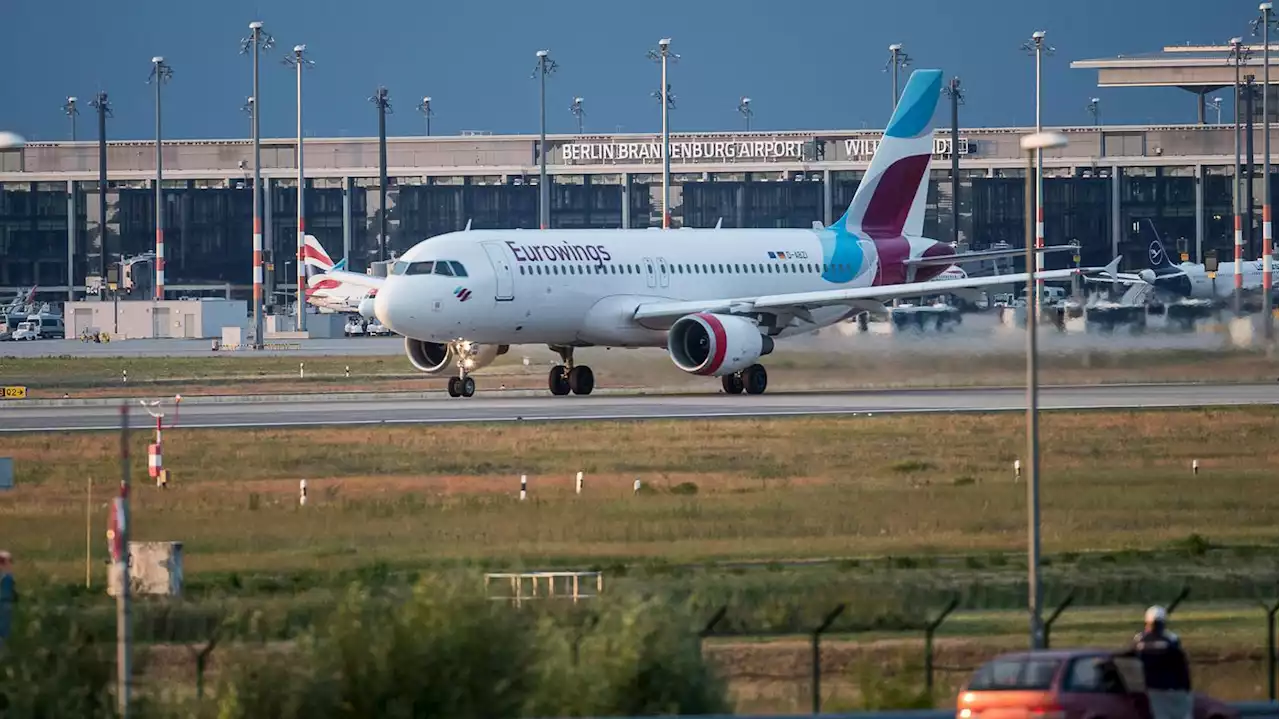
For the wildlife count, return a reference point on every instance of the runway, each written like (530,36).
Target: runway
(496,406)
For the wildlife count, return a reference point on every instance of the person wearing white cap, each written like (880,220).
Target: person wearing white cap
(1167,674)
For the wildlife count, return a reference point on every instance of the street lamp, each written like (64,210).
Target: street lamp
(1216,104)
(1096,111)
(424,107)
(258,40)
(299,61)
(662,55)
(71,111)
(160,74)
(578,112)
(744,108)
(381,100)
(1033,145)
(545,67)
(1038,47)
(898,58)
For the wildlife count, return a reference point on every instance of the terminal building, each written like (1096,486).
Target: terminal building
(1095,189)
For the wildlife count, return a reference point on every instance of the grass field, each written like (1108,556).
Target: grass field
(715,490)
(878,366)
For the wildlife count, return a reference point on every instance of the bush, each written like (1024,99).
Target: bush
(446,652)
(52,666)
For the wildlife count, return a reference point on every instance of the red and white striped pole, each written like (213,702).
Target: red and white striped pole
(1266,247)
(1238,278)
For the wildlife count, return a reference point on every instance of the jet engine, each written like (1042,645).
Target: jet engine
(707,344)
(436,358)
(1148,276)
(365,308)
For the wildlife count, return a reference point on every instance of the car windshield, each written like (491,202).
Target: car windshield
(1015,674)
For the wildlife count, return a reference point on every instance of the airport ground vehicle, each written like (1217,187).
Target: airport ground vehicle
(1067,684)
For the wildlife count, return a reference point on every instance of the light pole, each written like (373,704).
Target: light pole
(545,67)
(247,108)
(424,107)
(160,74)
(383,103)
(662,55)
(1238,54)
(898,58)
(258,40)
(299,61)
(98,264)
(1265,18)
(71,110)
(953,91)
(578,111)
(1216,104)
(744,108)
(1039,48)
(1096,111)
(1033,144)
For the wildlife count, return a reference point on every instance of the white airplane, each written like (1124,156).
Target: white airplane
(1189,279)
(324,290)
(716,299)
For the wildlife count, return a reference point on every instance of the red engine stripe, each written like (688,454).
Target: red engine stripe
(718,337)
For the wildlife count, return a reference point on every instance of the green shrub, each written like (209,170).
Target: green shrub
(52,666)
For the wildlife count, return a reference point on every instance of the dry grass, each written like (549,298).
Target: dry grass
(781,488)
(879,366)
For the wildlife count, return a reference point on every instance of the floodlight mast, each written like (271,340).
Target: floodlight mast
(1216,104)
(71,111)
(425,108)
(258,40)
(160,74)
(578,112)
(383,102)
(663,55)
(103,107)
(898,58)
(1038,47)
(1264,18)
(1096,111)
(953,91)
(1237,56)
(544,67)
(744,108)
(299,62)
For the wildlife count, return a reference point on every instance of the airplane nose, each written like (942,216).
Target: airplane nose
(386,309)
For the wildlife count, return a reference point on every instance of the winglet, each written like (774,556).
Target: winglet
(468,227)
(718,221)
(1112,267)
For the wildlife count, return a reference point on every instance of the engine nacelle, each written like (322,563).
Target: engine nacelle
(436,358)
(717,345)
(1148,276)
(365,308)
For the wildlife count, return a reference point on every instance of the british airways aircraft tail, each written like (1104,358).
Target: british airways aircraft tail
(890,201)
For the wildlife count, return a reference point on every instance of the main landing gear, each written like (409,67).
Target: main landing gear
(753,379)
(463,386)
(569,377)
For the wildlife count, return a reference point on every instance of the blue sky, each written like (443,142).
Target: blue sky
(806,64)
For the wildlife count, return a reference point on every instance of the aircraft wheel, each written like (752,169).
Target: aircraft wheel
(755,379)
(557,382)
(467,386)
(582,380)
(732,383)
(454,390)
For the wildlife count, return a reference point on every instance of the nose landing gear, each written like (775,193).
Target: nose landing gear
(463,385)
(568,377)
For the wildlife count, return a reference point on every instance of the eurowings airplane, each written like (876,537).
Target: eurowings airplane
(323,289)
(717,299)
(1189,279)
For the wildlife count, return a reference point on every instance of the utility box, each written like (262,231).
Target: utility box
(155,568)
(6,473)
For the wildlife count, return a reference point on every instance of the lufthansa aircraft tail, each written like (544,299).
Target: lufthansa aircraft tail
(890,200)
(1157,256)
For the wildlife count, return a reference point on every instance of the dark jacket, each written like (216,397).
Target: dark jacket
(1164,663)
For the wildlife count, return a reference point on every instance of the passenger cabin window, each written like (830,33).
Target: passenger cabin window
(420,268)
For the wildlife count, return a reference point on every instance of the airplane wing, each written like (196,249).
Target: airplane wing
(799,302)
(355,278)
(983,255)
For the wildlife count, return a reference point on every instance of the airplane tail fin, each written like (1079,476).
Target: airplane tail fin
(890,201)
(315,258)
(1157,255)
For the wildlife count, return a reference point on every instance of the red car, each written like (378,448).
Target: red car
(1067,684)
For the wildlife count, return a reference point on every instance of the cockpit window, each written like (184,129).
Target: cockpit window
(420,268)
(443,268)
(458,269)
(399,267)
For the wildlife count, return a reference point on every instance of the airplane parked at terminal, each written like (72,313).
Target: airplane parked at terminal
(1189,279)
(716,299)
(323,289)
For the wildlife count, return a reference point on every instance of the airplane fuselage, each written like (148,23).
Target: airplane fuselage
(581,287)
